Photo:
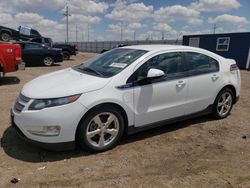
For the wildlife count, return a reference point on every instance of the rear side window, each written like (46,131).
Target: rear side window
(37,40)
(34,32)
(32,46)
(200,63)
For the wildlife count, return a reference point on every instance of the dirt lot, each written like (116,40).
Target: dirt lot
(197,153)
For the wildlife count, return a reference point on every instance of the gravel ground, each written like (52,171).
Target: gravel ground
(197,153)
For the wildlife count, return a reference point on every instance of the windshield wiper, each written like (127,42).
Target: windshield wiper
(91,70)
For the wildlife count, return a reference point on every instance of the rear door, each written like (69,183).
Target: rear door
(33,53)
(203,83)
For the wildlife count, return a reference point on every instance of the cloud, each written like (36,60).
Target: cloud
(27,18)
(123,11)
(82,19)
(76,6)
(178,12)
(226,18)
(87,7)
(215,5)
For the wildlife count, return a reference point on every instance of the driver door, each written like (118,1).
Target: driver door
(163,98)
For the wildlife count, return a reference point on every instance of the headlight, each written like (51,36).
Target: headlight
(39,104)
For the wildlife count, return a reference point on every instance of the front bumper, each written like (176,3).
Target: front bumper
(49,146)
(66,116)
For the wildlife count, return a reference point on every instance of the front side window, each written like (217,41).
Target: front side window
(111,62)
(170,63)
(223,44)
(200,63)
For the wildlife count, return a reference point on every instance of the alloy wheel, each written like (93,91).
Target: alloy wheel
(103,129)
(5,37)
(224,104)
(48,61)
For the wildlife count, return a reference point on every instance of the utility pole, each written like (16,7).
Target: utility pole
(66,14)
(178,36)
(82,36)
(214,28)
(134,35)
(121,31)
(88,32)
(162,35)
(76,33)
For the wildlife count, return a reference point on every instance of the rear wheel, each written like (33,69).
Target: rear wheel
(101,129)
(66,55)
(48,61)
(223,104)
(5,37)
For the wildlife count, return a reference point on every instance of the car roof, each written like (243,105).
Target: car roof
(156,47)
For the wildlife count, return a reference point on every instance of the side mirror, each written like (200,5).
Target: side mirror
(155,73)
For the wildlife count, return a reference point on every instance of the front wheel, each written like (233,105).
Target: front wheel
(101,129)
(48,61)
(223,104)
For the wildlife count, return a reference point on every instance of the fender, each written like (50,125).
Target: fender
(6,30)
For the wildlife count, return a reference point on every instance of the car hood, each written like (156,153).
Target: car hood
(63,83)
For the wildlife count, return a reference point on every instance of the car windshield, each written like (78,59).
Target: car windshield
(111,62)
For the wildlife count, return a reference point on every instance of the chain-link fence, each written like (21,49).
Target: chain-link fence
(98,46)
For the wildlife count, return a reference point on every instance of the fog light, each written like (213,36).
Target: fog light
(46,131)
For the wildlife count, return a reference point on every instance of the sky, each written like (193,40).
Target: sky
(99,20)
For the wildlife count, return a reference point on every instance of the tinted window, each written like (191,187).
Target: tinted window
(200,64)
(37,40)
(47,40)
(170,63)
(34,32)
(33,46)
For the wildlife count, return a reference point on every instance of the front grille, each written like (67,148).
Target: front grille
(20,103)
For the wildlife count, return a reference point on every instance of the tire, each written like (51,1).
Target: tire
(223,104)
(5,37)
(66,55)
(48,61)
(92,133)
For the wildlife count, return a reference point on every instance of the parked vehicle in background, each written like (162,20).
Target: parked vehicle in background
(43,40)
(128,89)
(67,49)
(23,33)
(36,53)
(113,47)
(10,58)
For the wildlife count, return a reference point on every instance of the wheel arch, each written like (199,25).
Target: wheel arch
(119,107)
(5,31)
(232,88)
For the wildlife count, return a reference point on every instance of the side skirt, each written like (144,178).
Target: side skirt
(132,129)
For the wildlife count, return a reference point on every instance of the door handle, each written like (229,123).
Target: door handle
(215,77)
(180,83)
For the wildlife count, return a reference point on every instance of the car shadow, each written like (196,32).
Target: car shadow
(41,65)
(9,80)
(18,149)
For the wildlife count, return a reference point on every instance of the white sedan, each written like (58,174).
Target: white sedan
(125,90)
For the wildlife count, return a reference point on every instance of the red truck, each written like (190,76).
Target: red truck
(10,58)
